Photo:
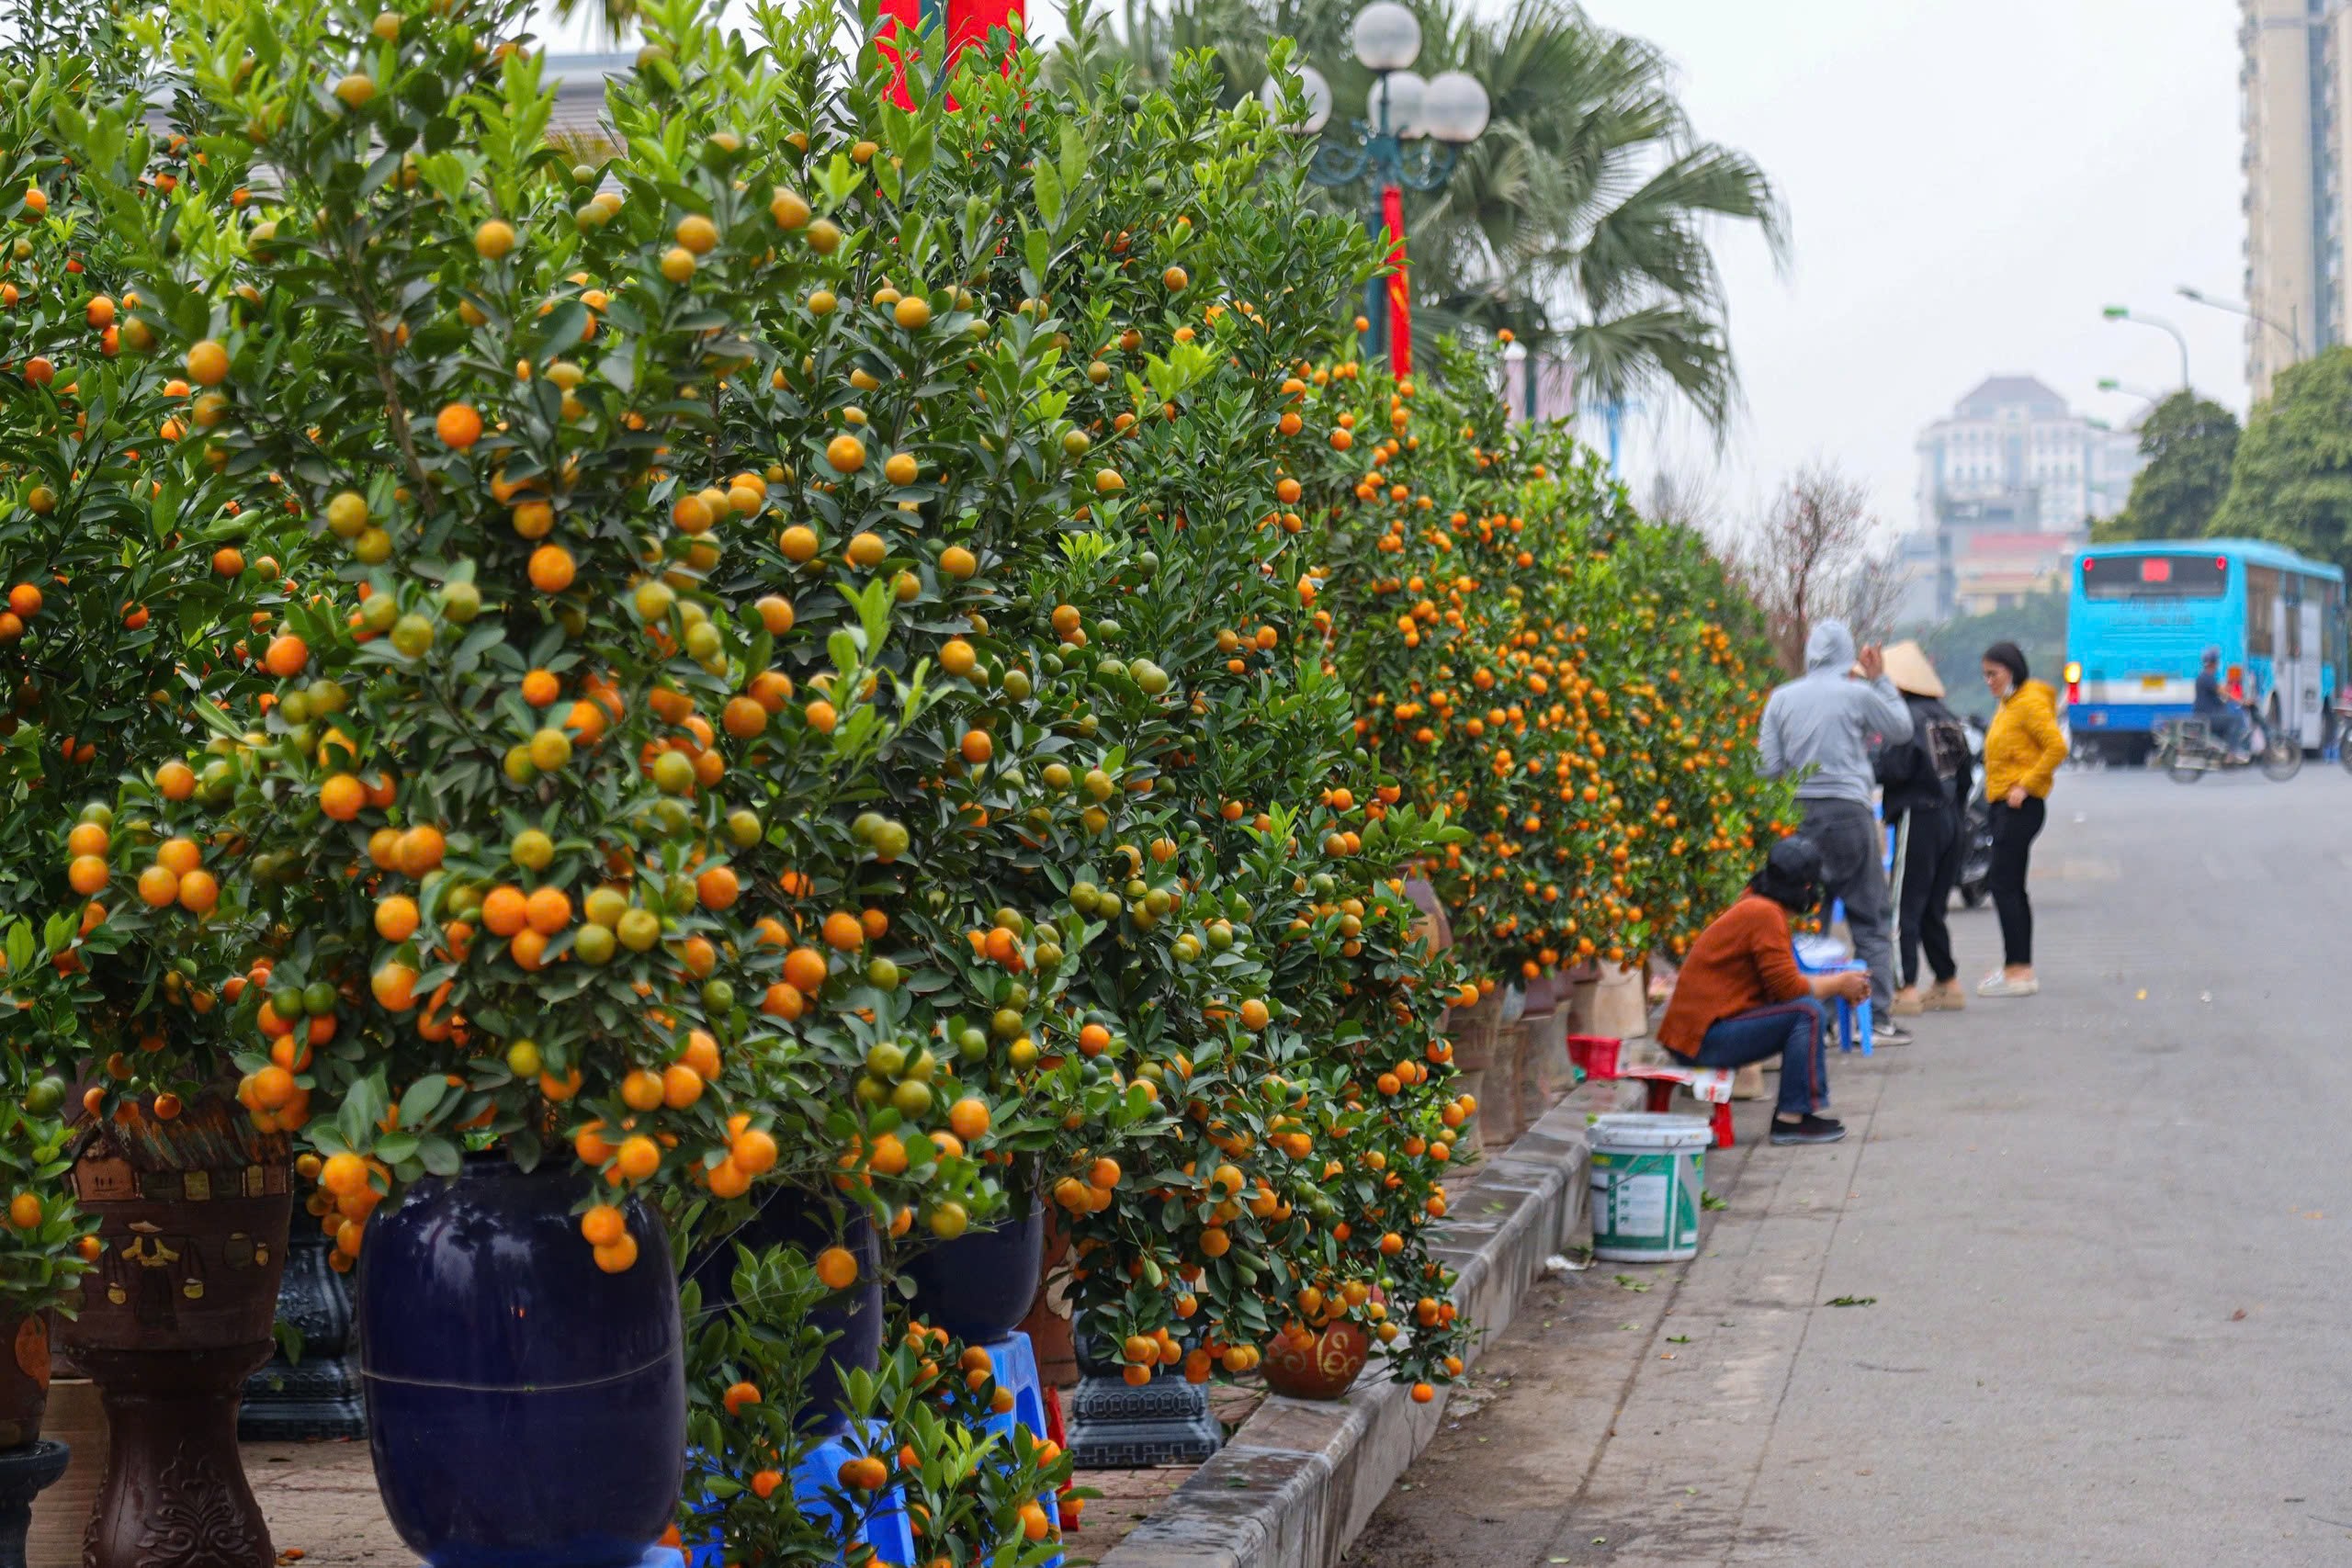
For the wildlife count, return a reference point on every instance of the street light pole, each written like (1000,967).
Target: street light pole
(2124,313)
(2109,384)
(1410,139)
(2294,338)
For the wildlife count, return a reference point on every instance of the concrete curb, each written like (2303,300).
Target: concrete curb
(1295,1486)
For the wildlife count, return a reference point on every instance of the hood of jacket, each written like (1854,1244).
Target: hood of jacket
(1829,646)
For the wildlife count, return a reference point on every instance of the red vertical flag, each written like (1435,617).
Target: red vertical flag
(1400,294)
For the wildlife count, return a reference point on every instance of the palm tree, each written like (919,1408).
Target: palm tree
(1581,220)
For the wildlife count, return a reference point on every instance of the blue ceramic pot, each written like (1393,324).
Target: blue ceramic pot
(978,1287)
(789,1217)
(526,1408)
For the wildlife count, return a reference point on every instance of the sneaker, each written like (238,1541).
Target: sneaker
(2002,986)
(1811,1129)
(1907,1003)
(1886,1031)
(1944,996)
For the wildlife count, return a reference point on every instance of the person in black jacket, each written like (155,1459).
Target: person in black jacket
(1926,779)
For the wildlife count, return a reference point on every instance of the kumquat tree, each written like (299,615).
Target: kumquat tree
(1577,686)
(865,649)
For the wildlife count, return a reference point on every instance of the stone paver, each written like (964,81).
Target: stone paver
(2102,1233)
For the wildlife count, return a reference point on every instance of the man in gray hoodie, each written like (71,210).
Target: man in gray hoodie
(1821,727)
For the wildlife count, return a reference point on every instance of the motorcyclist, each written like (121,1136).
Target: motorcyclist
(2226,719)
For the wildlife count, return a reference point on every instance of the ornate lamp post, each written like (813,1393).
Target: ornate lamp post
(1410,137)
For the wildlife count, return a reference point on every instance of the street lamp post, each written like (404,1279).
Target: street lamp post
(1410,139)
(2109,384)
(2291,332)
(2124,313)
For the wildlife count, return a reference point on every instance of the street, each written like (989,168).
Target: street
(2093,1246)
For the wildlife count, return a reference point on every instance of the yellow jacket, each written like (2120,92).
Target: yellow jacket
(2024,745)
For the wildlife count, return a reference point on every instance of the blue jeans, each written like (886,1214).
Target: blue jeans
(1797,1031)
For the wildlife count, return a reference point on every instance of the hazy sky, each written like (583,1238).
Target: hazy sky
(1968,182)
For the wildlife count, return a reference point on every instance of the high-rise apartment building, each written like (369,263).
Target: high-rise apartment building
(2295,105)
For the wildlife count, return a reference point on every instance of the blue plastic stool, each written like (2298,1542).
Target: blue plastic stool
(1012,1361)
(887,1530)
(1853,1018)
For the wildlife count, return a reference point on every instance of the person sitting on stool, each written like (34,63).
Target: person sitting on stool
(1741,997)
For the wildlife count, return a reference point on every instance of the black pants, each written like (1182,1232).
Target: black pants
(1930,864)
(2014,827)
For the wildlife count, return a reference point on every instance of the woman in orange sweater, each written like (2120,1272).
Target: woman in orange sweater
(1741,997)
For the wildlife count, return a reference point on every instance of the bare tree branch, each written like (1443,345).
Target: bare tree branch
(1816,551)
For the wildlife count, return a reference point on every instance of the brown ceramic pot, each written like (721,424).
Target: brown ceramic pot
(1544,1074)
(1323,1367)
(191,1218)
(1470,1031)
(62,1513)
(24,1376)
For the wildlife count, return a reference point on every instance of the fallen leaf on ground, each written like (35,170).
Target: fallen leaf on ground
(1678,1339)
(1854,1301)
(2238,1316)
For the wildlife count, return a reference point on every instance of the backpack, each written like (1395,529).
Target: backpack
(1945,741)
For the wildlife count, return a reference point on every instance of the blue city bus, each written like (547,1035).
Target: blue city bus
(2141,616)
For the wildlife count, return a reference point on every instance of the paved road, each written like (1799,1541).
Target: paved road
(2106,1234)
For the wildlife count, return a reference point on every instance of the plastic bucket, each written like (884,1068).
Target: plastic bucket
(1647,1174)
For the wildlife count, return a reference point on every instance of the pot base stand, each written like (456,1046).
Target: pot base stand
(1166,1421)
(23,1473)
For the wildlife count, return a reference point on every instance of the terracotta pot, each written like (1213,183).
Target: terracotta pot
(1323,1367)
(1504,1093)
(191,1216)
(1471,1032)
(1544,1072)
(1048,1324)
(24,1376)
(61,1514)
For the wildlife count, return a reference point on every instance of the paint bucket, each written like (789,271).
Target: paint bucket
(1647,1174)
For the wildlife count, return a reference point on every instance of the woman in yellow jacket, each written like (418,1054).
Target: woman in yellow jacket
(2022,751)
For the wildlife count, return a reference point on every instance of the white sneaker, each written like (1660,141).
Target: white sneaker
(2002,986)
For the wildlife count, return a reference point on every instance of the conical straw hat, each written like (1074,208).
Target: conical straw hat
(1906,663)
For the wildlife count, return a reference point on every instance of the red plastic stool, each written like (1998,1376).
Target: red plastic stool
(1598,1054)
(1661,1100)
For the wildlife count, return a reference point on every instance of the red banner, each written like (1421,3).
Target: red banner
(1400,295)
(968,22)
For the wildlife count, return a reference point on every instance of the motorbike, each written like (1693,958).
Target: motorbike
(2188,750)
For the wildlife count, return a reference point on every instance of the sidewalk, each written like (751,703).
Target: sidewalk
(2090,1250)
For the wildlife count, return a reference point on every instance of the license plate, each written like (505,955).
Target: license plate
(2151,683)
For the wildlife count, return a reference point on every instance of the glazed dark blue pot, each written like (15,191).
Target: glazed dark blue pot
(526,1408)
(789,1217)
(980,1286)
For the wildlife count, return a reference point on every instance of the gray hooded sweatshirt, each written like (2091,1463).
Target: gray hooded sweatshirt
(1826,720)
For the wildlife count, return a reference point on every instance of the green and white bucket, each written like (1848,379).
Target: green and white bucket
(1646,1174)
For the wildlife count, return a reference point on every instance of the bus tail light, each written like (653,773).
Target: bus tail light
(2074,682)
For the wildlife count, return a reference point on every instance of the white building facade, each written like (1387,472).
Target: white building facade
(2009,484)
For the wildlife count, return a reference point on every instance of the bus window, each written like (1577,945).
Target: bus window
(2261,592)
(2155,577)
